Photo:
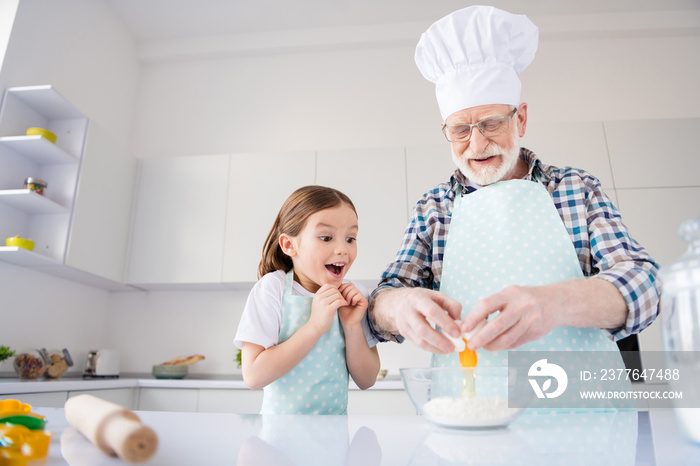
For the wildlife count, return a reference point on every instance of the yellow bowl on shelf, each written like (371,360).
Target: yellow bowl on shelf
(21,242)
(42,132)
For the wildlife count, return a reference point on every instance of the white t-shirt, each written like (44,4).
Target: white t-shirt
(262,315)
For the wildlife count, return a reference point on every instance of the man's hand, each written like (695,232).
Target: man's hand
(527,313)
(409,312)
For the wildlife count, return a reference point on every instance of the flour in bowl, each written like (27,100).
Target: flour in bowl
(470,412)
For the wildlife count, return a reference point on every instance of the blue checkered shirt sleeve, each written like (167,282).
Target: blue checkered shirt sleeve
(604,246)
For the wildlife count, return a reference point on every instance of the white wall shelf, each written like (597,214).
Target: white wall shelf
(30,202)
(80,225)
(19,256)
(38,149)
(46,219)
(47,101)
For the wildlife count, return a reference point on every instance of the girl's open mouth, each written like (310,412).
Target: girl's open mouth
(336,269)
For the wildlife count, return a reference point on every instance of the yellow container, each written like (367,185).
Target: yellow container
(21,242)
(42,132)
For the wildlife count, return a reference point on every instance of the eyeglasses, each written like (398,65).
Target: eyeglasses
(489,127)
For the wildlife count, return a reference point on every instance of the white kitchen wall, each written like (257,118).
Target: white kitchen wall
(41,311)
(86,53)
(8,9)
(377,98)
(342,96)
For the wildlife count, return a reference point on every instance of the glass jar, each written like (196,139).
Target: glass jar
(680,313)
(29,365)
(36,185)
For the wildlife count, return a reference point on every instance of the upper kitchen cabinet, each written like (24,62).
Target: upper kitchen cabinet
(671,153)
(45,219)
(180,221)
(375,181)
(258,186)
(426,167)
(80,223)
(99,233)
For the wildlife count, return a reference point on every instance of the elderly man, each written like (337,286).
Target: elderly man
(536,253)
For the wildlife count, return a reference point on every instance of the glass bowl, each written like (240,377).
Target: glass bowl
(462,398)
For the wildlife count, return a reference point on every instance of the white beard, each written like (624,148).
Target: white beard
(489,175)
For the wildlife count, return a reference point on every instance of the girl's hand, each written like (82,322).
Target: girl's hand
(356,306)
(326,301)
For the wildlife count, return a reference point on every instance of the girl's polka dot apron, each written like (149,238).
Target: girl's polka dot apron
(319,383)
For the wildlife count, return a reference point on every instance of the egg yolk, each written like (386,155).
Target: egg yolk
(467,358)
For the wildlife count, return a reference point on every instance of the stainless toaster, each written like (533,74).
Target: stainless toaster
(102,363)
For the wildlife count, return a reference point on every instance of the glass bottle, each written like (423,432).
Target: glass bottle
(680,313)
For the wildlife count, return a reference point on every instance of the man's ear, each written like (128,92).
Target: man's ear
(287,245)
(522,118)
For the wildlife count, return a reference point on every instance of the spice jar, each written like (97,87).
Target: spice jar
(36,185)
(680,312)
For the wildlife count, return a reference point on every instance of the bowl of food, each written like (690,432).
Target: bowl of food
(176,368)
(170,372)
(462,398)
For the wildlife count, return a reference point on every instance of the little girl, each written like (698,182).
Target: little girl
(293,343)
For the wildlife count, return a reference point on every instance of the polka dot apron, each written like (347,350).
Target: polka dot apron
(510,233)
(319,383)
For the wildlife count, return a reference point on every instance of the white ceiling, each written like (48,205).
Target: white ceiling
(153,20)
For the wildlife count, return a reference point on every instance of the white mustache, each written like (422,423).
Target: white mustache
(490,151)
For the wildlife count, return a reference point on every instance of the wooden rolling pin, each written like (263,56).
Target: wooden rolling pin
(113,429)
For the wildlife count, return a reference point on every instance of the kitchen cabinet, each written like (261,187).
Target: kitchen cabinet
(426,167)
(202,220)
(633,153)
(230,401)
(100,225)
(179,221)
(45,399)
(203,400)
(81,223)
(258,186)
(380,402)
(375,181)
(244,401)
(168,399)
(121,396)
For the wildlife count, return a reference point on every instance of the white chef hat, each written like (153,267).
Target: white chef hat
(474,57)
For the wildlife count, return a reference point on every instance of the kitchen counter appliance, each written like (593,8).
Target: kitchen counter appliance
(102,364)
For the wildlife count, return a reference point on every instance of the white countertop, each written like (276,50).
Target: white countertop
(226,439)
(15,385)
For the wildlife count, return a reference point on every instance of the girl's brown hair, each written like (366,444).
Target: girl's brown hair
(291,219)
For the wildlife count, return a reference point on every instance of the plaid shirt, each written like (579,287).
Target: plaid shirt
(604,247)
